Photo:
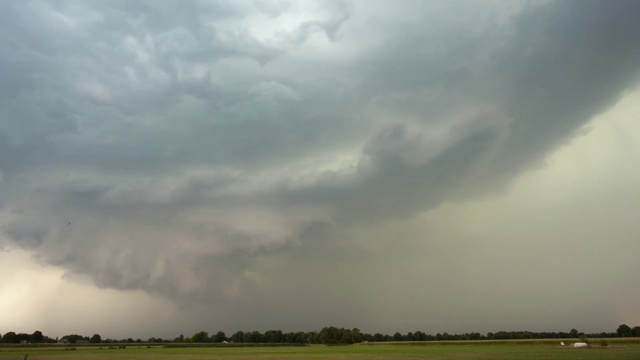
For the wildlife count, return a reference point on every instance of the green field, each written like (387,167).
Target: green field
(432,350)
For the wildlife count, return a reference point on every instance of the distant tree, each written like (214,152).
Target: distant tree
(345,336)
(312,337)
(257,336)
(573,333)
(356,335)
(273,336)
(73,338)
(96,338)
(328,335)
(635,331)
(289,338)
(37,337)
(238,336)
(397,336)
(295,337)
(219,337)
(22,337)
(9,337)
(252,337)
(200,337)
(624,330)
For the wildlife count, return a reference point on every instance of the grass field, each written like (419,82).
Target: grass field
(431,350)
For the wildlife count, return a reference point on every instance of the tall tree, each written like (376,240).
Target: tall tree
(238,336)
(200,337)
(624,330)
(219,337)
(9,337)
(37,337)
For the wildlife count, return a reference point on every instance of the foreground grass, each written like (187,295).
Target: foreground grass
(436,351)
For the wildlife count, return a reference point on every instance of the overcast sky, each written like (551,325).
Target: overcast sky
(171,167)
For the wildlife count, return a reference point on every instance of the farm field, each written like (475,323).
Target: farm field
(436,351)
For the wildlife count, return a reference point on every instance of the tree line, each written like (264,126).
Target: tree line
(38,337)
(328,335)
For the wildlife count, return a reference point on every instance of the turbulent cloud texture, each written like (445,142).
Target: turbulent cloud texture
(241,153)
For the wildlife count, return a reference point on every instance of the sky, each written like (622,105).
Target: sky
(459,166)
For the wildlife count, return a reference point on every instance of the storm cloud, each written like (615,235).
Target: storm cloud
(232,153)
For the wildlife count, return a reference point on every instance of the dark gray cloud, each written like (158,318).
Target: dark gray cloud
(207,151)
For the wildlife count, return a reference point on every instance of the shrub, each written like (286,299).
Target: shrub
(604,342)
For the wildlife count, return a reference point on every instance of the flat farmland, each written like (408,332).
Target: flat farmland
(431,350)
